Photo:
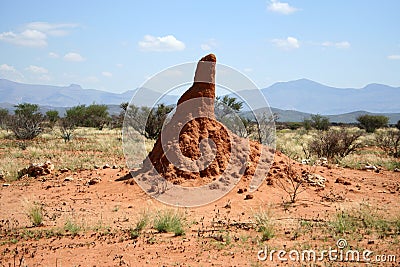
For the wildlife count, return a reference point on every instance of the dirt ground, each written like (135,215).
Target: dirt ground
(218,234)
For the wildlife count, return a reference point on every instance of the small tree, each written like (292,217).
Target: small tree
(398,124)
(96,116)
(228,104)
(372,122)
(4,116)
(77,115)
(52,117)
(320,122)
(27,121)
(156,120)
(307,124)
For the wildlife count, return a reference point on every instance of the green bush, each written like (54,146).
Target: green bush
(27,121)
(372,122)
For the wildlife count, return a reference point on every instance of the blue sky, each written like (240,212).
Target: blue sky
(116,45)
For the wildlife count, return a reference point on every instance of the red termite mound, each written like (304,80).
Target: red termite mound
(194,148)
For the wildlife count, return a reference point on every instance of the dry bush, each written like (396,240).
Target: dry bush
(292,182)
(334,144)
(389,141)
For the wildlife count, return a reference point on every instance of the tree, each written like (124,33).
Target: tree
(77,115)
(398,124)
(230,102)
(147,122)
(4,115)
(96,116)
(52,117)
(307,124)
(156,120)
(372,122)
(320,122)
(27,121)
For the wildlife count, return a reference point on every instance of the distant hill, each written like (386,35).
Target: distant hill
(68,96)
(311,97)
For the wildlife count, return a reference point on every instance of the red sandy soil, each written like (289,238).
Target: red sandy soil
(117,204)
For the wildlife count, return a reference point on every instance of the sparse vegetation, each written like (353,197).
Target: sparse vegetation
(169,221)
(72,227)
(264,225)
(35,214)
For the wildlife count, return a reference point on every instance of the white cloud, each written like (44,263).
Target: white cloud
(32,38)
(106,74)
(394,57)
(37,69)
(35,34)
(161,44)
(210,44)
(340,45)
(5,67)
(57,29)
(75,57)
(281,7)
(9,72)
(286,44)
(119,65)
(53,55)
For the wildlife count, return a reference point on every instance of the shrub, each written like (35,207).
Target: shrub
(389,141)
(334,144)
(3,118)
(372,122)
(52,117)
(292,183)
(27,121)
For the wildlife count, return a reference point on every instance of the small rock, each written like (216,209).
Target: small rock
(96,167)
(240,191)
(396,170)
(370,167)
(68,179)
(115,167)
(94,181)
(340,180)
(370,242)
(106,166)
(2,175)
(64,170)
(248,196)
(6,185)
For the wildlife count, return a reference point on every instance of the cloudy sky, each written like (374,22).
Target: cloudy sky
(116,45)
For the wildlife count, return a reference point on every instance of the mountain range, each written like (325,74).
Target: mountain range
(293,100)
